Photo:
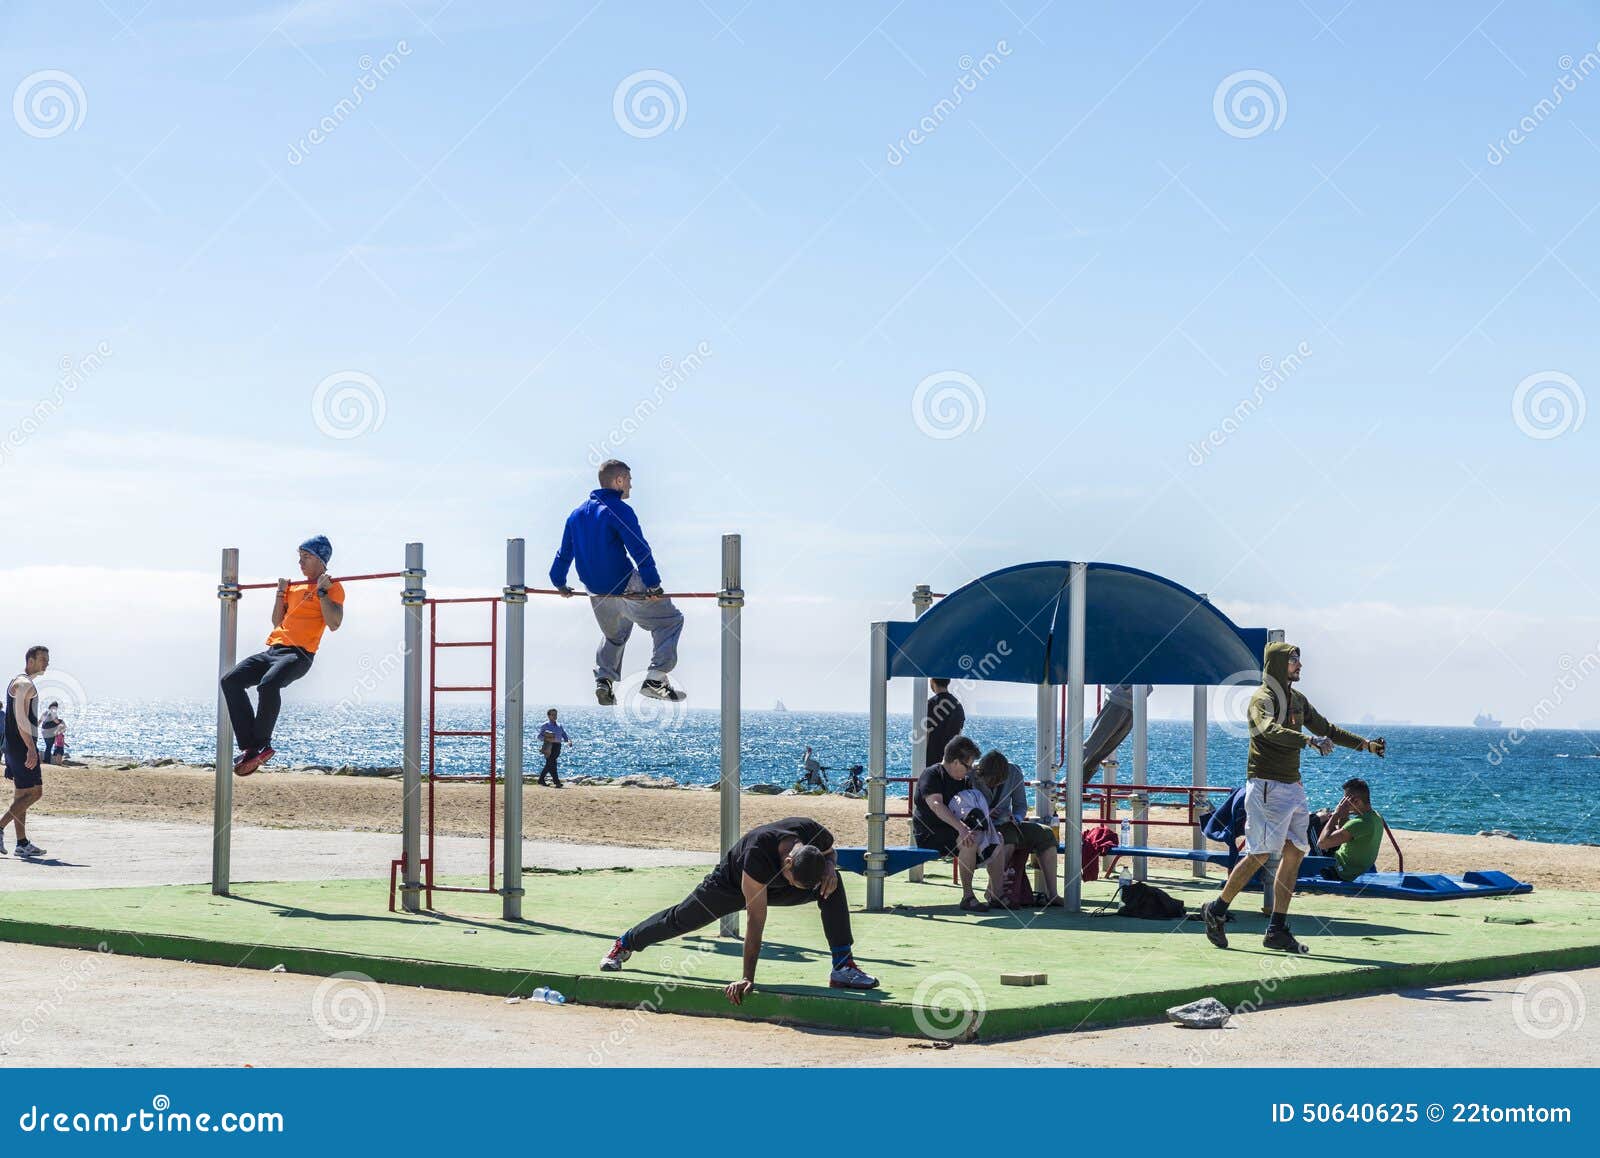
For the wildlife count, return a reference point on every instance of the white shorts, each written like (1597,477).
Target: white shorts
(1275,814)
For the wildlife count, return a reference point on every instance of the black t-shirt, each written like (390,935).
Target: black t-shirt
(759,852)
(943,723)
(934,781)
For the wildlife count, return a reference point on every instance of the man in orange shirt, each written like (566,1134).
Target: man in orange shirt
(299,614)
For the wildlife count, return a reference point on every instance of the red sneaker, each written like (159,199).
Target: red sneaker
(256,760)
(242,765)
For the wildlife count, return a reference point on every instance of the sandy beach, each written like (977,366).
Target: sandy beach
(639,817)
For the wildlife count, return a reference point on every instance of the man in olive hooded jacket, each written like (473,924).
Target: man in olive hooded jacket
(1275,807)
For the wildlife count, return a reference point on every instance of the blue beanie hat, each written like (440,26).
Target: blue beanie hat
(319,546)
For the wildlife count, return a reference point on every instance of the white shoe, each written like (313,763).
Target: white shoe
(612,961)
(28,848)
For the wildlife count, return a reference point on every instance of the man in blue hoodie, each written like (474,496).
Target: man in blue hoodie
(602,537)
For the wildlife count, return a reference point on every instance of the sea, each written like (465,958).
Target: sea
(1541,785)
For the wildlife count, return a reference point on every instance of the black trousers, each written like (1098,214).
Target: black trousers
(269,672)
(549,768)
(712,900)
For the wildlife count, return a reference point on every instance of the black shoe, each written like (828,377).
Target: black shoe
(1216,925)
(1284,940)
(603,693)
(661,690)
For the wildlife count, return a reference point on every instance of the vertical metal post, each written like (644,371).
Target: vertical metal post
(516,601)
(412,599)
(921,600)
(1201,719)
(877,762)
(1044,748)
(227,656)
(731,600)
(1141,766)
(1077,630)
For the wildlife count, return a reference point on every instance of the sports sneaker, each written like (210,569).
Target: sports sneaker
(242,759)
(612,961)
(1216,925)
(2,844)
(850,977)
(1283,939)
(28,848)
(661,690)
(603,693)
(258,759)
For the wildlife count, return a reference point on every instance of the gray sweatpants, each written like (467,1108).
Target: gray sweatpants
(617,617)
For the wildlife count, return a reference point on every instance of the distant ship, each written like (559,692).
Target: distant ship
(778,707)
(1485,720)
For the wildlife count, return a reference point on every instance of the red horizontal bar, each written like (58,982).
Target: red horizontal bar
(631,595)
(468,599)
(442,732)
(469,643)
(463,688)
(336,579)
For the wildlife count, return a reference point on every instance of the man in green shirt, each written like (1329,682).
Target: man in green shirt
(1353,832)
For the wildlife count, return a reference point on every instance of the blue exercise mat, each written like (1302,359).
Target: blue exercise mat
(1419,886)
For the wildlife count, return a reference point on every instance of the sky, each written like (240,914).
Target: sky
(1293,303)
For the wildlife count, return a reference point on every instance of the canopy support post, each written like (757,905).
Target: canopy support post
(1141,765)
(1044,746)
(1199,867)
(921,600)
(1077,629)
(877,763)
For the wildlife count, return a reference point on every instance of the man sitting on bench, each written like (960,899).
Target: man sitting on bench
(788,862)
(935,826)
(1352,832)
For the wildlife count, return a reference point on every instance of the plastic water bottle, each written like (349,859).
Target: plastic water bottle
(1125,838)
(1124,879)
(547,995)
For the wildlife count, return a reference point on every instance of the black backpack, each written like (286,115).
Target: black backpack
(1149,903)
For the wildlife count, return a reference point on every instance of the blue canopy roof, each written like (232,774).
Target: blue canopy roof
(1011,626)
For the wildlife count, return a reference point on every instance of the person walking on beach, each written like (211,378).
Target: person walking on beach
(23,766)
(52,735)
(1276,815)
(788,862)
(602,537)
(551,736)
(943,720)
(300,613)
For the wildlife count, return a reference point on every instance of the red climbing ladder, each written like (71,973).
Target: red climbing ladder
(436,733)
